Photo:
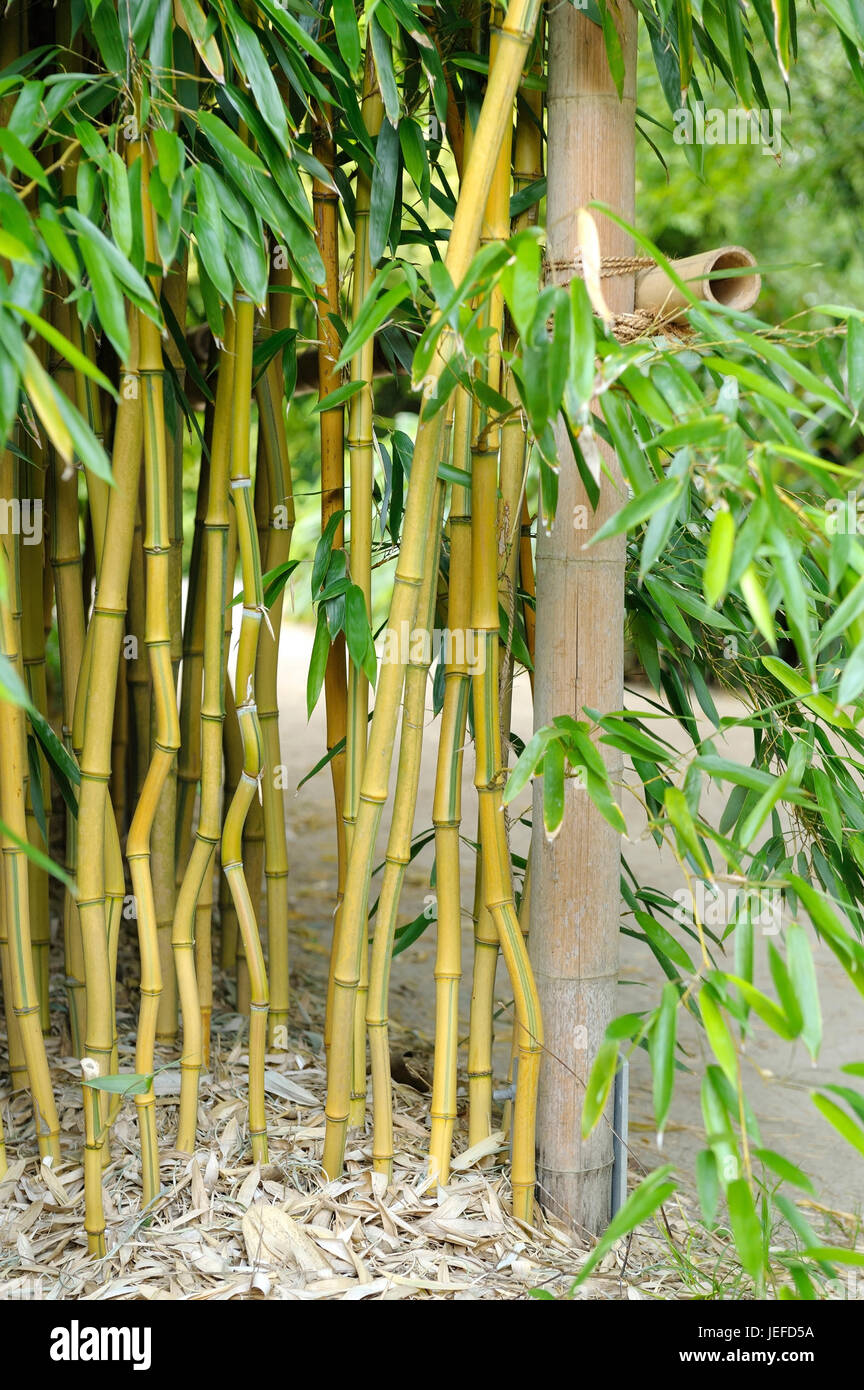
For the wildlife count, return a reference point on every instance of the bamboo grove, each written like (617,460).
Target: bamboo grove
(363,190)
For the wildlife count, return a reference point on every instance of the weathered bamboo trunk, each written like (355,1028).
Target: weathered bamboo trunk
(579,656)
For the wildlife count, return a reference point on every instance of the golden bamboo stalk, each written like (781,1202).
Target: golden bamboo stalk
(399,846)
(32,566)
(464,238)
(331,424)
(166,724)
(191,932)
(361,465)
(447,809)
(247,717)
(94,716)
(18,969)
(280,526)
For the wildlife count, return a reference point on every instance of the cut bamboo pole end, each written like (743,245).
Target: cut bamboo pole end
(707,276)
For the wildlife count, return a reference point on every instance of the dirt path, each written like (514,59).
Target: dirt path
(781,1075)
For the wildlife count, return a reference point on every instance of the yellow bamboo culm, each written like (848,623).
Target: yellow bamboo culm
(32,650)
(361,462)
(447,809)
(190,927)
(465,232)
(166,723)
(331,425)
(497,886)
(19,973)
(280,526)
(399,846)
(94,714)
(247,718)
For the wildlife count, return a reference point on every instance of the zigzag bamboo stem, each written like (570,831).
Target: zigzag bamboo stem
(190,928)
(464,238)
(19,973)
(399,845)
(247,716)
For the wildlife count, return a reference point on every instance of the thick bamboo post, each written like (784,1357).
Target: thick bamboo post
(579,655)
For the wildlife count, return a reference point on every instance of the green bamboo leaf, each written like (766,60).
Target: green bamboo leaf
(46,401)
(746,1228)
(719,1036)
(128,1083)
(844,1125)
(765,1008)
(76,359)
(855,361)
(785,990)
(662,1048)
(347,32)
(14,249)
(599,1085)
(651,1193)
(192,18)
(718,558)
(852,677)
(794,682)
(110,303)
(40,859)
(678,812)
(384,68)
(757,602)
(317,662)
(338,397)
(256,71)
(384,178)
(612,42)
(21,158)
(802,974)
(119,202)
(664,942)
(528,761)
(761,385)
(789,1172)
(553,789)
(321,560)
(707,1185)
(639,508)
(376,308)
(630,456)
(228,146)
(358,635)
